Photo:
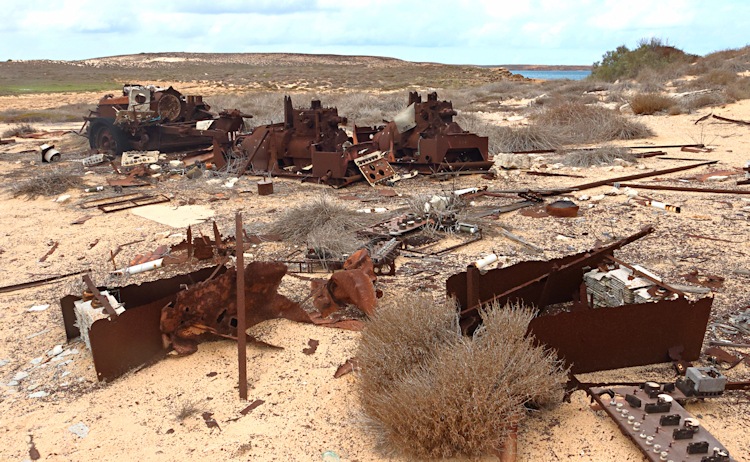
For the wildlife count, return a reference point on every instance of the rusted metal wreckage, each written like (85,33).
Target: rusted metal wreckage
(138,324)
(147,118)
(311,142)
(588,339)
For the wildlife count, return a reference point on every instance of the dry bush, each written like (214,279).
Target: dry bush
(738,90)
(604,155)
(429,392)
(577,123)
(511,139)
(324,223)
(691,103)
(47,184)
(18,130)
(526,138)
(650,103)
(186,408)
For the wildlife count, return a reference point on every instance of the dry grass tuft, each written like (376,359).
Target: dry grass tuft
(650,103)
(186,408)
(47,184)
(325,224)
(578,123)
(429,392)
(18,130)
(605,155)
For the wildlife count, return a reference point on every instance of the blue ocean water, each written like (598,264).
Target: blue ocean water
(553,75)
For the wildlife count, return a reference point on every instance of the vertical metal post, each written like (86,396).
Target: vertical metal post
(241,324)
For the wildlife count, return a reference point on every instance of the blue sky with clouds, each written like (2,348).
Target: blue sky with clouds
(447,31)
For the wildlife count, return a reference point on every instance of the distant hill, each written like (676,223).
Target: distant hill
(244,71)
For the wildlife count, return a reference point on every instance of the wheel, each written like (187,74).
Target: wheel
(108,138)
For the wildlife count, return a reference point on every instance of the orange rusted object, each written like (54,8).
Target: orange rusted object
(355,285)
(210,307)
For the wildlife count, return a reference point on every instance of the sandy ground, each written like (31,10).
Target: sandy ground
(306,411)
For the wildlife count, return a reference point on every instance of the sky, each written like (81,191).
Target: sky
(484,32)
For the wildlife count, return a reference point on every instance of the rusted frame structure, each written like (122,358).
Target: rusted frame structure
(587,339)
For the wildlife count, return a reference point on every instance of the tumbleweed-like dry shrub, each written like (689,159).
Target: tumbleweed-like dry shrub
(526,138)
(604,155)
(510,139)
(18,130)
(47,184)
(429,392)
(324,223)
(650,103)
(578,123)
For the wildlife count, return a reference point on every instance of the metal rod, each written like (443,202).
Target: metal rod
(241,324)
(102,299)
(684,189)
(638,176)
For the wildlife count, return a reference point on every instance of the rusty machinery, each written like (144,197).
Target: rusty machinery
(425,137)
(152,118)
(307,136)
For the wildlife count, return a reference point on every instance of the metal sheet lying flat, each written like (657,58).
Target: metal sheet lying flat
(654,432)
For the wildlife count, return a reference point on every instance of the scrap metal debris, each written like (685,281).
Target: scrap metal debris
(354,285)
(588,339)
(652,417)
(148,118)
(210,307)
(312,346)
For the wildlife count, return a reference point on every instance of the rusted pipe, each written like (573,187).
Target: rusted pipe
(683,188)
(241,324)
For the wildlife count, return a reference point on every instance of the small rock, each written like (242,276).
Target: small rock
(597,198)
(618,168)
(80,429)
(37,361)
(39,394)
(4,362)
(20,376)
(65,374)
(63,198)
(641,167)
(583,197)
(12,383)
(32,387)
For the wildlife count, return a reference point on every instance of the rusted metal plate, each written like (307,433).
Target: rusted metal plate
(131,203)
(133,338)
(129,341)
(588,339)
(629,335)
(374,168)
(659,435)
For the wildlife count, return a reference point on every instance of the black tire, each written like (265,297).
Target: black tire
(108,138)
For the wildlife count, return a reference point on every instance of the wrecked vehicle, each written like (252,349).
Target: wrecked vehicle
(425,137)
(148,118)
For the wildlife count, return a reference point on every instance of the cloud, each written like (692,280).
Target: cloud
(465,31)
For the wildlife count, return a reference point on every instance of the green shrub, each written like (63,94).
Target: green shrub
(625,63)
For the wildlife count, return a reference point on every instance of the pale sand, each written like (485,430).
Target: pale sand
(306,410)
